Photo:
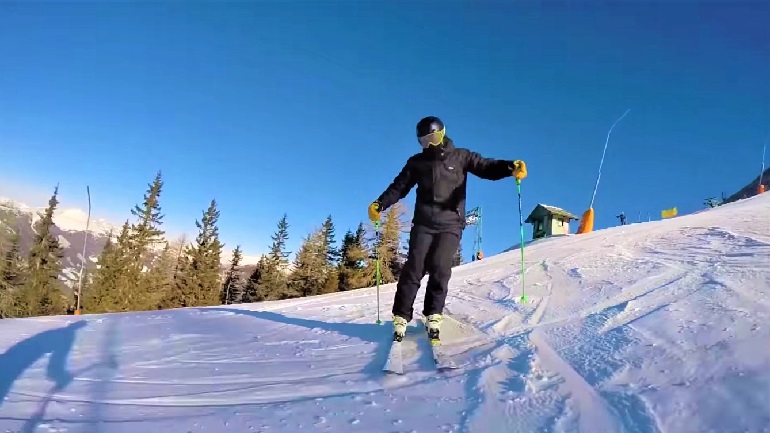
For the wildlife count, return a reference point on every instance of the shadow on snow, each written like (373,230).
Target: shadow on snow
(22,355)
(369,332)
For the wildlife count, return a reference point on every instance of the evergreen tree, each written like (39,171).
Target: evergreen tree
(201,283)
(6,302)
(42,293)
(131,275)
(388,246)
(255,288)
(353,267)
(347,243)
(105,291)
(141,247)
(147,232)
(232,289)
(308,277)
(181,283)
(12,264)
(332,280)
(345,266)
(159,279)
(273,281)
(11,275)
(333,254)
(277,249)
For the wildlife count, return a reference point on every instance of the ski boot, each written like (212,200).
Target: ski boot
(433,325)
(399,328)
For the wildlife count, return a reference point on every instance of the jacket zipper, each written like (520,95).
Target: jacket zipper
(433,189)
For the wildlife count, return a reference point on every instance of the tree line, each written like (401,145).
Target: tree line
(140,270)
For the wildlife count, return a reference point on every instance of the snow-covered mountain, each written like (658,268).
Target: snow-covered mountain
(70,224)
(650,327)
(70,229)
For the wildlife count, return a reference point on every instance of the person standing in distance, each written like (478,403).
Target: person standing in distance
(440,172)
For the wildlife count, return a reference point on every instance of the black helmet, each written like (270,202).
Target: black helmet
(430,131)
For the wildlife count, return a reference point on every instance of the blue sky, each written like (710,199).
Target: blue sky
(309,108)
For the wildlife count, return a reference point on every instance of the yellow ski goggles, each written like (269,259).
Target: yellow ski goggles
(432,139)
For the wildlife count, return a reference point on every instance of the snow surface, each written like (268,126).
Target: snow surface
(651,327)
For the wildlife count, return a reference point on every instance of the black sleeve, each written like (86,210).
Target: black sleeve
(488,168)
(399,188)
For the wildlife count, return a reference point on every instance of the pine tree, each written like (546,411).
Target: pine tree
(110,283)
(277,248)
(147,232)
(332,283)
(42,293)
(159,279)
(273,281)
(11,275)
(256,285)
(388,246)
(393,227)
(308,277)
(13,265)
(181,283)
(141,248)
(352,271)
(124,279)
(201,284)
(232,289)
(6,302)
(333,253)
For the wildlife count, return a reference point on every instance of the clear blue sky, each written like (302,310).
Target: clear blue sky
(309,107)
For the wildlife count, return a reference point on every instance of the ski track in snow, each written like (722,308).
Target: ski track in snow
(658,327)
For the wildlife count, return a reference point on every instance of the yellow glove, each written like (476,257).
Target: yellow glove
(374,211)
(519,169)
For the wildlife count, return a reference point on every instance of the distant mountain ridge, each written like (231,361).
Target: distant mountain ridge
(17,217)
(751,189)
(70,230)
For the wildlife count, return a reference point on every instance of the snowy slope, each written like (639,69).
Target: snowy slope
(652,327)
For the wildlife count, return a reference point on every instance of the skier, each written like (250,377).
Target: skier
(440,173)
(622,217)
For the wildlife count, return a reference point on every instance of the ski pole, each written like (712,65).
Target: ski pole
(521,236)
(377,272)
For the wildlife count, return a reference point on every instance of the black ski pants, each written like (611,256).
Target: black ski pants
(430,251)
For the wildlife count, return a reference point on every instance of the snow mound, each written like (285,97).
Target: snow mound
(653,327)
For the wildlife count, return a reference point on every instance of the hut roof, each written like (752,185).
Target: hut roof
(544,209)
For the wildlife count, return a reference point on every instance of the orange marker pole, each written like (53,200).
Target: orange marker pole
(761,186)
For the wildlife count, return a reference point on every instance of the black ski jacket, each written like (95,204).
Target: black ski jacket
(441,175)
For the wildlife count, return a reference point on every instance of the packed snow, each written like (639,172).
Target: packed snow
(651,327)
